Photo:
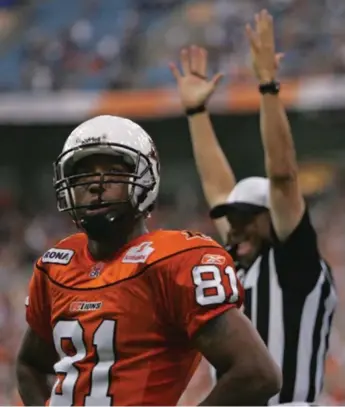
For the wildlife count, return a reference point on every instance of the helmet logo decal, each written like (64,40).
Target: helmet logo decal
(154,154)
(92,139)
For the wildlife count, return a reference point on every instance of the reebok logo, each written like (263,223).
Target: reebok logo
(213,259)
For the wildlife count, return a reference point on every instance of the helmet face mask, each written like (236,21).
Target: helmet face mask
(66,180)
(137,179)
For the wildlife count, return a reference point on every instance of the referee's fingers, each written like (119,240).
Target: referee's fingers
(175,71)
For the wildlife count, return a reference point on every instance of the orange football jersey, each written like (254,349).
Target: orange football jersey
(122,327)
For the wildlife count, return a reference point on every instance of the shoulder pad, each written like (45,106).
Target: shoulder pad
(166,243)
(63,252)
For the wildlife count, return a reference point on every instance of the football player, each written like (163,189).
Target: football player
(120,315)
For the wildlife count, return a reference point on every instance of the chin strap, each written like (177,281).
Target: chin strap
(98,227)
(104,227)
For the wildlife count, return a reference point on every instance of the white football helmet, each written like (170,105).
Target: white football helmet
(114,136)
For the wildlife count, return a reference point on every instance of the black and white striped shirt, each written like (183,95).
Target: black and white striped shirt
(290,298)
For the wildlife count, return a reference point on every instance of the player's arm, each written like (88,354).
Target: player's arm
(37,354)
(205,300)
(287,203)
(248,375)
(34,364)
(195,89)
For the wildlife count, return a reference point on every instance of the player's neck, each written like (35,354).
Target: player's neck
(105,249)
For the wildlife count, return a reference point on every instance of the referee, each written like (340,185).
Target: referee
(290,295)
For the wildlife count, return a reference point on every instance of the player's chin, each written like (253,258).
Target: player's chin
(102,210)
(118,208)
(90,209)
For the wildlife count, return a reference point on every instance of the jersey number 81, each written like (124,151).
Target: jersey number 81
(209,285)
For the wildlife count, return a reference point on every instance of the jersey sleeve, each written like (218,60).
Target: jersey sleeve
(38,305)
(202,284)
(298,256)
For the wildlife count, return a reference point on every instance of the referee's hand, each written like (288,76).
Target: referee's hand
(193,85)
(261,39)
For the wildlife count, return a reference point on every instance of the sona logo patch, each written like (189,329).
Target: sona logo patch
(138,254)
(85,306)
(58,256)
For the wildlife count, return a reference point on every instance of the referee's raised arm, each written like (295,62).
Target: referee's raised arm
(195,89)
(286,201)
(289,291)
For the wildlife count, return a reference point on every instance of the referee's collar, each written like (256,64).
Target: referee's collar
(266,246)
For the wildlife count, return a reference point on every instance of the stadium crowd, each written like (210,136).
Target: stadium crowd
(109,41)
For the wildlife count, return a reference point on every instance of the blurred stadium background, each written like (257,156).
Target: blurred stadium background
(64,61)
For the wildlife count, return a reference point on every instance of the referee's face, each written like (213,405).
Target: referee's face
(248,234)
